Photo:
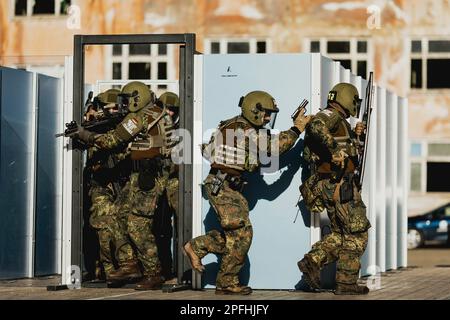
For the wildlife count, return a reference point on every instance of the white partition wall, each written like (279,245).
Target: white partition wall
(402,183)
(391,180)
(381,180)
(384,189)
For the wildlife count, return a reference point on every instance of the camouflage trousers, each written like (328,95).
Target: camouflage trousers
(233,213)
(348,239)
(104,219)
(137,212)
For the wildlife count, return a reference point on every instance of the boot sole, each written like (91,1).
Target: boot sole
(228,293)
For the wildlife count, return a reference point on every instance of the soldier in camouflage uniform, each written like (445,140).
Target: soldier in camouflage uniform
(233,150)
(331,147)
(151,131)
(106,172)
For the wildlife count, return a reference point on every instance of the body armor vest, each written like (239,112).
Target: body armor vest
(158,136)
(227,149)
(344,136)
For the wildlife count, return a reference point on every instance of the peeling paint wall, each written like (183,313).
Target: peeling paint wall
(287,24)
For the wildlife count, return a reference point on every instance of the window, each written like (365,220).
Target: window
(416,174)
(142,62)
(41,7)
(439,150)
(428,59)
(416,149)
(438,177)
(353,54)
(225,46)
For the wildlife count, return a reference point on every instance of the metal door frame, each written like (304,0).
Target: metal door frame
(186,79)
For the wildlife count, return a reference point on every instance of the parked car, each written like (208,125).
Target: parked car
(431,226)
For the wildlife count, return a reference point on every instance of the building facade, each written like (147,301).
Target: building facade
(406,44)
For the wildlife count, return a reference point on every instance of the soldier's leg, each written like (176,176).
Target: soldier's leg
(139,226)
(353,247)
(102,214)
(233,213)
(139,230)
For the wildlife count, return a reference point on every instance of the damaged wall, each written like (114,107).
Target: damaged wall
(287,25)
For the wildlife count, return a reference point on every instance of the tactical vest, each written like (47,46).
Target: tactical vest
(227,149)
(158,136)
(344,136)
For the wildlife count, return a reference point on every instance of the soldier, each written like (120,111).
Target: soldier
(106,172)
(163,223)
(231,157)
(331,147)
(150,130)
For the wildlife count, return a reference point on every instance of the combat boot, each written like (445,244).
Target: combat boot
(350,289)
(195,261)
(310,271)
(128,271)
(150,283)
(234,290)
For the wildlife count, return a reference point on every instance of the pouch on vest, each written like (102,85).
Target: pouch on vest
(311,195)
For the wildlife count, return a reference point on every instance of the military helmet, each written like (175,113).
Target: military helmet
(138,95)
(170,100)
(347,96)
(109,96)
(255,105)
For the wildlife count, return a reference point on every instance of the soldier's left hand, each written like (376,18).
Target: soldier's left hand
(359,129)
(301,121)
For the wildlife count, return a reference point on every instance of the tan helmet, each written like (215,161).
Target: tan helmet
(347,96)
(170,100)
(138,95)
(255,105)
(109,96)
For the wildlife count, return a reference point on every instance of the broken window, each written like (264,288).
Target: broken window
(315,46)
(238,47)
(416,177)
(162,49)
(338,47)
(117,71)
(436,78)
(139,71)
(439,46)
(347,64)
(215,47)
(353,54)
(439,149)
(261,47)
(21,8)
(416,73)
(44,7)
(362,46)
(362,69)
(438,177)
(140,49)
(162,70)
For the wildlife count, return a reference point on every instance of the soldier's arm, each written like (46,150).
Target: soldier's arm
(124,132)
(320,132)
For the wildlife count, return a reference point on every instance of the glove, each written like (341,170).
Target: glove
(338,158)
(85,135)
(301,121)
(359,129)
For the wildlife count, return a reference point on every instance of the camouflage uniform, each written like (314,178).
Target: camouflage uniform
(229,204)
(104,205)
(327,134)
(152,131)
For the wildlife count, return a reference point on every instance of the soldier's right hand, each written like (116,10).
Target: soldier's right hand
(302,121)
(338,158)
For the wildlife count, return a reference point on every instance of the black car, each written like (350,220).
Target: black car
(431,226)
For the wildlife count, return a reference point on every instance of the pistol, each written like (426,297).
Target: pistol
(302,106)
